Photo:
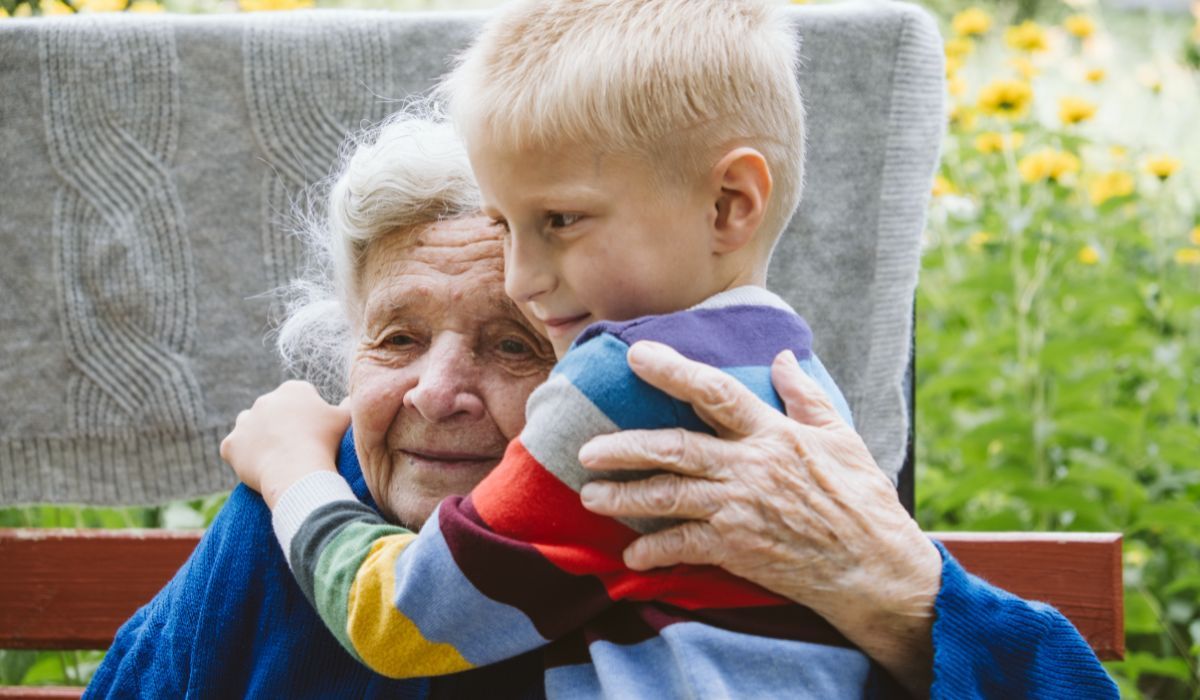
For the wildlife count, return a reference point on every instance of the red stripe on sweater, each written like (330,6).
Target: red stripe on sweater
(522,500)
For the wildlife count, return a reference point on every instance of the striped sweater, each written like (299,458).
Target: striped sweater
(519,564)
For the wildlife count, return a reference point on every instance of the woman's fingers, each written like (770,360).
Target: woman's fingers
(672,449)
(693,542)
(804,399)
(661,496)
(719,399)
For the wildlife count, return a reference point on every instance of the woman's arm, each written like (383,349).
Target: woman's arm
(799,507)
(796,506)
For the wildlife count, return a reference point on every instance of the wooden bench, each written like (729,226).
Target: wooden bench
(72,589)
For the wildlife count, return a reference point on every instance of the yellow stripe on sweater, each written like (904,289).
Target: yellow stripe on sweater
(386,639)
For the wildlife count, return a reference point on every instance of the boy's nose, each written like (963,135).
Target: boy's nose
(528,268)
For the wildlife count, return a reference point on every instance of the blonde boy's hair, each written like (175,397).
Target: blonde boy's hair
(676,82)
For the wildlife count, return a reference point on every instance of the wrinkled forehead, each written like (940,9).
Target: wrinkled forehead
(454,265)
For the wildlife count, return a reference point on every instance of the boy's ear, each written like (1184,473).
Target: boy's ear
(742,184)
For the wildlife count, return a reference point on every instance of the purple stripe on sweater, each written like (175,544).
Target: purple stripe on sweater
(628,623)
(542,591)
(734,336)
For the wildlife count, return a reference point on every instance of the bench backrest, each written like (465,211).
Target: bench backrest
(71,589)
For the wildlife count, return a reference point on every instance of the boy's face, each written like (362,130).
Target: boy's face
(593,238)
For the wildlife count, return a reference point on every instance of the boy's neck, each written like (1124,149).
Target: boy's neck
(745,276)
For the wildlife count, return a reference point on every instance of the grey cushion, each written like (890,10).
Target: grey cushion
(148,163)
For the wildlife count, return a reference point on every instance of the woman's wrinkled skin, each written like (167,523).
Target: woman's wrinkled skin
(442,368)
(793,503)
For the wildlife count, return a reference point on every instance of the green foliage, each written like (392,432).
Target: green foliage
(1058,362)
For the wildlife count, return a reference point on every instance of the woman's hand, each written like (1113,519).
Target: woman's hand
(795,505)
(288,434)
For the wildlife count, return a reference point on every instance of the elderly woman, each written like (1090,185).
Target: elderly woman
(440,364)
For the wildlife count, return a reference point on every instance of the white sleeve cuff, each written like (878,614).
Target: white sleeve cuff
(299,502)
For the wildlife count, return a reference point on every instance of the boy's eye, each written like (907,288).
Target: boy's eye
(501,223)
(558,220)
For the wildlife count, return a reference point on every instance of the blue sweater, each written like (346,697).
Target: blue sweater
(233,623)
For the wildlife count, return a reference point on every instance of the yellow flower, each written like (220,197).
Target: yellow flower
(1024,67)
(989,142)
(959,47)
(54,7)
(942,186)
(270,5)
(971,22)
(1027,36)
(146,7)
(957,86)
(100,5)
(1095,75)
(1047,164)
(1005,98)
(952,66)
(1088,255)
(1072,110)
(993,142)
(1117,152)
(1111,184)
(978,240)
(962,118)
(1195,236)
(1161,166)
(1080,26)
(1188,256)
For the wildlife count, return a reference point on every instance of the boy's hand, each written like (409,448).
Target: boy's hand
(287,435)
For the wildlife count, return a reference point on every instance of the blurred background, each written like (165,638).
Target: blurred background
(1058,310)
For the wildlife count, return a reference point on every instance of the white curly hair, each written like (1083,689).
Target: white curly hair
(407,172)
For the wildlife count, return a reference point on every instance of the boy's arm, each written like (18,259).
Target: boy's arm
(516,564)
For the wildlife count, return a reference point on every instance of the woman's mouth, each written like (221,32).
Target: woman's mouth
(450,460)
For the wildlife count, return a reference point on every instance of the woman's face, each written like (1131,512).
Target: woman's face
(443,365)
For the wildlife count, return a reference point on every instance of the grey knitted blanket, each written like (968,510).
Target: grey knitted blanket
(148,166)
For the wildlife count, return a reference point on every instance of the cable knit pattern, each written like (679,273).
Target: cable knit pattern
(122,259)
(309,81)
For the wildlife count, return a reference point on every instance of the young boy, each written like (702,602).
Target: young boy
(644,157)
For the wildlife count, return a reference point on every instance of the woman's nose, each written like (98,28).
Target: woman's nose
(527,269)
(448,385)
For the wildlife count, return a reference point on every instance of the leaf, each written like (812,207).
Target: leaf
(47,670)
(14,664)
(1139,616)
(1174,516)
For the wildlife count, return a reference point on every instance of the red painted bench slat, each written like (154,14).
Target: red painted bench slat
(72,589)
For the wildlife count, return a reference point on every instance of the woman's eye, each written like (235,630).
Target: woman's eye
(558,220)
(510,346)
(401,340)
